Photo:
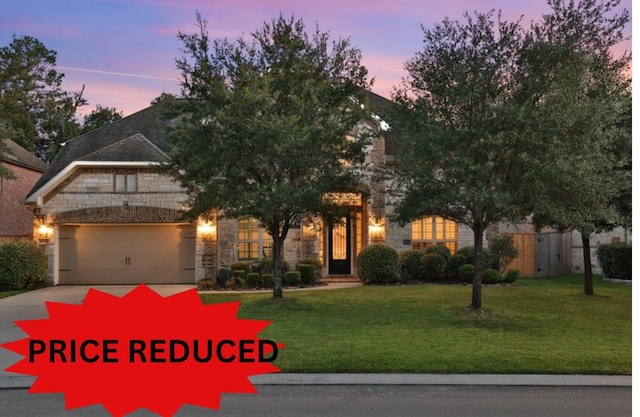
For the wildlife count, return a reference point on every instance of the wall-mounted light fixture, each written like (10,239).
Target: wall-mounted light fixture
(45,231)
(206,228)
(376,230)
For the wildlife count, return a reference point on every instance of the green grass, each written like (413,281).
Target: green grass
(537,326)
(9,293)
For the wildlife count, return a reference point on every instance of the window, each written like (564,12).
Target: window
(434,230)
(254,243)
(126,183)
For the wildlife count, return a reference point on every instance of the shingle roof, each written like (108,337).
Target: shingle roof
(17,155)
(117,141)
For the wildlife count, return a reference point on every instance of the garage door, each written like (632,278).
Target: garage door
(127,254)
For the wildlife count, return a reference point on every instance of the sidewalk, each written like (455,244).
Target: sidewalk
(31,305)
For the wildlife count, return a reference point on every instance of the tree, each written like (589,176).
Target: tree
(34,109)
(581,113)
(99,117)
(459,122)
(264,124)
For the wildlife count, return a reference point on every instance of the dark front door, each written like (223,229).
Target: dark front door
(339,247)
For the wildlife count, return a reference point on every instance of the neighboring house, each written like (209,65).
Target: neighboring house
(16,221)
(112,218)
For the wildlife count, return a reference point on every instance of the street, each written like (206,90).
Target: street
(370,401)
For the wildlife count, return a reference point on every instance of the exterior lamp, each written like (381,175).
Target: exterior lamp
(376,231)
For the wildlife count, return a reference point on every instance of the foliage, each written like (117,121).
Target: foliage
(223,275)
(468,254)
(580,112)
(238,273)
(307,273)
(99,117)
(440,250)
(457,117)
(292,278)
(23,265)
(316,263)
(411,264)
(263,130)
(502,251)
(465,273)
(244,266)
(377,264)
(491,276)
(455,262)
(615,260)
(34,109)
(511,276)
(267,280)
(265,266)
(253,279)
(433,266)
(207,284)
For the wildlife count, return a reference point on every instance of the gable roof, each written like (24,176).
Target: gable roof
(138,137)
(17,155)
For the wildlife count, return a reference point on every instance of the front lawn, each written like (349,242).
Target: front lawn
(9,293)
(538,326)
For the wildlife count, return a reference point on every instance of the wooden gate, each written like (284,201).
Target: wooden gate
(525,262)
(553,254)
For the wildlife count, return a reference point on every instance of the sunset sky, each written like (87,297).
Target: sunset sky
(124,51)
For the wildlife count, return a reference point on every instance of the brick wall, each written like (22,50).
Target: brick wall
(15,218)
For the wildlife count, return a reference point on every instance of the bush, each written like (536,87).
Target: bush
(235,283)
(465,273)
(615,260)
(244,266)
(223,276)
(292,278)
(316,263)
(239,273)
(253,279)
(207,284)
(23,265)
(491,276)
(267,280)
(455,262)
(410,264)
(378,263)
(433,266)
(307,273)
(511,276)
(440,250)
(468,254)
(265,266)
(502,251)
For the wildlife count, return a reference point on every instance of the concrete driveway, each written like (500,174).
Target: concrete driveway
(31,305)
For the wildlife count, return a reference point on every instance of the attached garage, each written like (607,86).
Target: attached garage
(126,254)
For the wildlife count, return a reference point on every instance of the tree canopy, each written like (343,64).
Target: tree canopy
(267,124)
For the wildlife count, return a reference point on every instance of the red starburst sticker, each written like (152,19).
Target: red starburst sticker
(143,351)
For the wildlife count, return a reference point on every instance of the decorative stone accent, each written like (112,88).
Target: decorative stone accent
(119,214)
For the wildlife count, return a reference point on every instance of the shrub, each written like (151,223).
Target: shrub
(491,276)
(378,263)
(234,283)
(440,250)
(468,254)
(455,262)
(245,266)
(502,251)
(267,280)
(307,273)
(207,284)
(265,266)
(223,275)
(253,279)
(410,264)
(315,262)
(292,278)
(433,266)
(465,273)
(238,273)
(511,276)
(23,265)
(615,260)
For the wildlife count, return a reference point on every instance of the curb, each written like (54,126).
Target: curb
(24,382)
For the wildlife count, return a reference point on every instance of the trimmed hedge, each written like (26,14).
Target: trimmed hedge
(292,278)
(491,276)
(377,264)
(307,273)
(267,280)
(23,265)
(253,279)
(410,264)
(615,260)
(465,273)
(433,266)
(316,263)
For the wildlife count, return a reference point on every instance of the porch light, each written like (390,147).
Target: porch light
(376,231)
(206,228)
(45,231)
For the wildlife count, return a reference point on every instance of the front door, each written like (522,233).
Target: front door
(339,247)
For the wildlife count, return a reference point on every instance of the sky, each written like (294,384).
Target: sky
(124,51)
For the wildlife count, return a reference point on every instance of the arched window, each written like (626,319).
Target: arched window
(254,243)
(434,230)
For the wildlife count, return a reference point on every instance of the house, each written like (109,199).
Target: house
(106,215)
(16,221)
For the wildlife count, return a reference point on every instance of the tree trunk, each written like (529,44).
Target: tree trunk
(588,273)
(476,297)
(277,267)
